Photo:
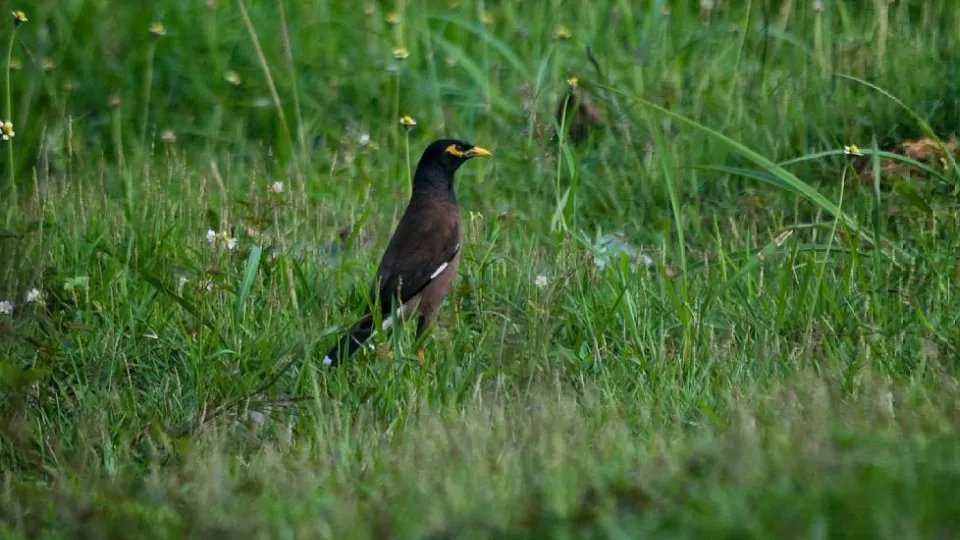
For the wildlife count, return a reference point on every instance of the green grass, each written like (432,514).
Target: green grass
(786,367)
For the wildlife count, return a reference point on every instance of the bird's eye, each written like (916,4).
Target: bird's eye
(456,150)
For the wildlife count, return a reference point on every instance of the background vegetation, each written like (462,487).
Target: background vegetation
(739,330)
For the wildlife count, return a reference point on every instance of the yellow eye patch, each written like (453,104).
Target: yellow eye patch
(454,151)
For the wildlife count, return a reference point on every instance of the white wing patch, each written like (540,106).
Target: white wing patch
(444,266)
(439,270)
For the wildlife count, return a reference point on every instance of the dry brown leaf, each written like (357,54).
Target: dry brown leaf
(924,150)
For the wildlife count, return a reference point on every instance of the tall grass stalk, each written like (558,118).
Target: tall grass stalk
(147,92)
(11,166)
(268,77)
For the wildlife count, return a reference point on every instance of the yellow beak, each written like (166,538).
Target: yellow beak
(476,151)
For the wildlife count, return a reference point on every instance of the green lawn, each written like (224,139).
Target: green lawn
(703,320)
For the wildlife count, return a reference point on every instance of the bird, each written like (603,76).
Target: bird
(420,261)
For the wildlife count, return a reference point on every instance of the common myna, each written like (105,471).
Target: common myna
(418,267)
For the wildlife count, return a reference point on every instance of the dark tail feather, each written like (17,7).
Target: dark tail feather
(350,342)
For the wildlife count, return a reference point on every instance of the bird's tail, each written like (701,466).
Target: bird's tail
(350,342)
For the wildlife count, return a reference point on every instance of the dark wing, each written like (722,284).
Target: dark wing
(426,240)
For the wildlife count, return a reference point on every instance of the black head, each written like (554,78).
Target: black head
(439,161)
(449,154)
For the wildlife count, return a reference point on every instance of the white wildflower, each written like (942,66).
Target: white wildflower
(6,130)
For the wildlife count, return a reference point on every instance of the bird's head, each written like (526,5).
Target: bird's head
(449,154)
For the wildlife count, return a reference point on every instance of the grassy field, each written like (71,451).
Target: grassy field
(705,319)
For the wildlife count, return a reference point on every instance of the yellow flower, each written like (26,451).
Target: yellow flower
(401,53)
(393,17)
(408,122)
(852,150)
(19,17)
(486,17)
(562,32)
(573,82)
(232,77)
(157,29)
(6,130)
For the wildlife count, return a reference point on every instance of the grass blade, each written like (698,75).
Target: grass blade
(249,274)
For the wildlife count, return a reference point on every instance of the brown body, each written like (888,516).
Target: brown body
(421,260)
(410,259)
